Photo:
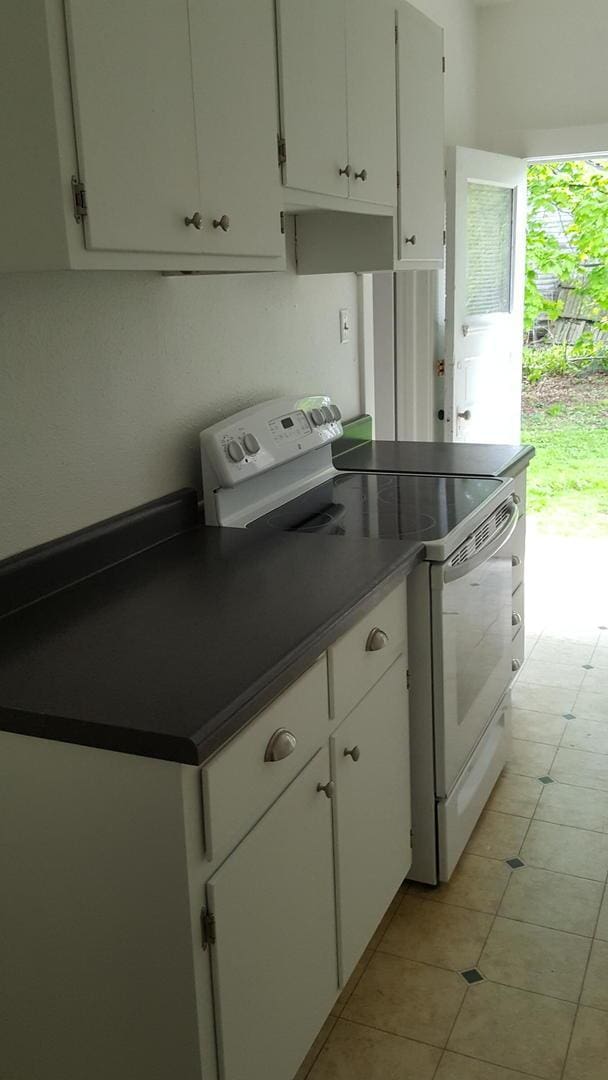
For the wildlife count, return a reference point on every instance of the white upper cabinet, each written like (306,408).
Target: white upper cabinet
(134,114)
(370,36)
(312,69)
(420,68)
(233,53)
(337,89)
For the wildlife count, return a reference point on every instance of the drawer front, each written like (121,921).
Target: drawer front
(518,610)
(239,784)
(518,550)
(519,489)
(361,657)
(519,650)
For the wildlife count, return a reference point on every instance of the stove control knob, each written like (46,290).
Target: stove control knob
(251,443)
(337,415)
(327,414)
(317,417)
(235,451)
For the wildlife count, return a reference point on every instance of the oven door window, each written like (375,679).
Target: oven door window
(471,659)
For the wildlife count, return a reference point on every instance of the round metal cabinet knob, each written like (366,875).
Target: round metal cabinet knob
(515,619)
(377,640)
(280,745)
(328,788)
(222,223)
(361,175)
(466,415)
(515,560)
(515,665)
(355,753)
(345,171)
(410,239)
(195,220)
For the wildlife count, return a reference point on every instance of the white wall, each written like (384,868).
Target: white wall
(107,378)
(542,77)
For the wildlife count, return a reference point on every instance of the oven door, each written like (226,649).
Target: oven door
(471,634)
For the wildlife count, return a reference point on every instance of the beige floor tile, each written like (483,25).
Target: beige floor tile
(591,706)
(588,1055)
(384,922)
(498,836)
(602,923)
(545,699)
(415,1000)
(595,987)
(566,850)
(529,758)
(535,958)
(450,937)
(563,652)
(355,1052)
(515,794)
(579,807)
(352,982)
(523,1031)
(559,901)
(476,883)
(589,735)
(596,681)
(537,727)
(457,1067)
(304,1070)
(545,673)
(581,769)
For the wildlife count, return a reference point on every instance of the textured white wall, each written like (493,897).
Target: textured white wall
(107,378)
(542,77)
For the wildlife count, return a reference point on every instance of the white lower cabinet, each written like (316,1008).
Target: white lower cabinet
(274,957)
(371,765)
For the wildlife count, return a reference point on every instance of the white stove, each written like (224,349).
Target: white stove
(270,468)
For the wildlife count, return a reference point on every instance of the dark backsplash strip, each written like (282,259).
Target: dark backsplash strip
(356,433)
(30,575)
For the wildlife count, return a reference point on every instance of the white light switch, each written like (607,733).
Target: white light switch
(344,325)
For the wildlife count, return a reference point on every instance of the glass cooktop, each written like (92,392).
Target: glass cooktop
(382,506)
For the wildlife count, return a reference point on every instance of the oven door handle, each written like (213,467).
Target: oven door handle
(453,573)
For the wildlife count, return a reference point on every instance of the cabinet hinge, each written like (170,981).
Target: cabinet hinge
(445,238)
(207,928)
(408,680)
(282,223)
(411,836)
(281,150)
(443,64)
(396,33)
(79,199)
(398,179)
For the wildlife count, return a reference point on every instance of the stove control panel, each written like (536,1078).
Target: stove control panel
(258,439)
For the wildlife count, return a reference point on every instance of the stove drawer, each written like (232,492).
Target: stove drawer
(240,783)
(518,552)
(366,651)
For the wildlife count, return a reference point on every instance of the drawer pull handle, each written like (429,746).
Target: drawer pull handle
(515,561)
(355,753)
(376,640)
(195,220)
(222,223)
(515,665)
(280,746)
(515,619)
(328,788)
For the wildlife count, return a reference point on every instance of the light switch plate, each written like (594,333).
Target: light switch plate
(344,325)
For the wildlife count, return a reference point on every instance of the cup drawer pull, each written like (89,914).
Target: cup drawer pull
(280,745)
(377,640)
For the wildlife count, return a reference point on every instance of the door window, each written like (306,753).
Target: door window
(489,248)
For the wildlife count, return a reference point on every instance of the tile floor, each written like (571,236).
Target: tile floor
(503,973)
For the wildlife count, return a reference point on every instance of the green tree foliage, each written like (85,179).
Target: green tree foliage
(578,192)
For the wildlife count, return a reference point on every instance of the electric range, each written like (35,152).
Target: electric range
(270,467)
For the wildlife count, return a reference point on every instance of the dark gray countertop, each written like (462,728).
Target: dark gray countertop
(171,651)
(443,459)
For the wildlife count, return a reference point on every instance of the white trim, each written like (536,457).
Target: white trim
(415,353)
(365,331)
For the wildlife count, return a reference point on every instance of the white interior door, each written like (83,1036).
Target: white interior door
(485,291)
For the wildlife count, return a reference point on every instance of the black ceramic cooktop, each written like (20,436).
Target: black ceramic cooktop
(381,506)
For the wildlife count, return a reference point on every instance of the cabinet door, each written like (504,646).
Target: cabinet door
(371,96)
(274,960)
(370,759)
(133,108)
(421,140)
(234,66)
(312,68)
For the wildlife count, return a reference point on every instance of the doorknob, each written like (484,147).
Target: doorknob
(466,415)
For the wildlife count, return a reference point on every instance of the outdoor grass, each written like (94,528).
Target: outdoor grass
(568,478)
